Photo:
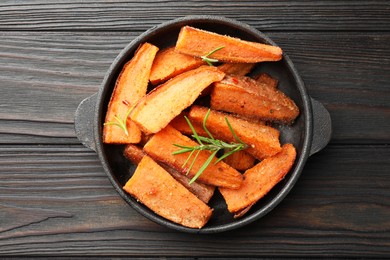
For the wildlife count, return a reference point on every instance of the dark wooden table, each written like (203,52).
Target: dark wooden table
(55,198)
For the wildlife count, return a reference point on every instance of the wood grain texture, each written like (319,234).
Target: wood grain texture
(55,198)
(66,205)
(44,77)
(100,15)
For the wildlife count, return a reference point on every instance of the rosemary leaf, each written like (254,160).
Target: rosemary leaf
(188,158)
(204,166)
(121,122)
(182,146)
(209,60)
(232,130)
(210,141)
(193,130)
(192,164)
(226,154)
(204,124)
(186,150)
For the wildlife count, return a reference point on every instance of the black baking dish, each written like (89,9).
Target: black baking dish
(309,134)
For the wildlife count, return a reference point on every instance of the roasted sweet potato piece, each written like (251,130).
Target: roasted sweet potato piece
(159,191)
(180,124)
(130,87)
(199,42)
(236,100)
(263,90)
(161,148)
(240,160)
(243,211)
(204,192)
(170,63)
(260,179)
(240,69)
(253,120)
(266,79)
(133,153)
(161,105)
(263,141)
(243,96)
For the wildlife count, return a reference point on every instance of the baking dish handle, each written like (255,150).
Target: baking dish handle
(322,127)
(84,123)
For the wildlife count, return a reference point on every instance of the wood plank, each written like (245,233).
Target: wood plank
(57,200)
(98,15)
(44,77)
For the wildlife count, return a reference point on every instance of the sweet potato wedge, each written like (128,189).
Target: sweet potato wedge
(240,160)
(170,63)
(180,124)
(243,96)
(236,100)
(266,79)
(240,69)
(159,191)
(243,211)
(130,87)
(204,192)
(161,105)
(161,148)
(260,179)
(263,90)
(133,153)
(263,141)
(199,42)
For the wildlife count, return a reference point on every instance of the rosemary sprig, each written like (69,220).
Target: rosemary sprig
(209,60)
(121,122)
(208,143)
